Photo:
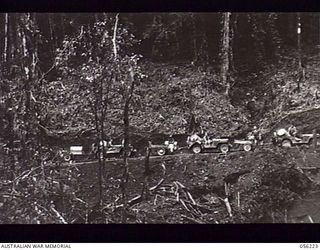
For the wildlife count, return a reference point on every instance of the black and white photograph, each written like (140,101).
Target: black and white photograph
(159,118)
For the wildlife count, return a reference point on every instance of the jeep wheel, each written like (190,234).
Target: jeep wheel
(67,158)
(196,149)
(247,147)
(286,143)
(161,151)
(224,148)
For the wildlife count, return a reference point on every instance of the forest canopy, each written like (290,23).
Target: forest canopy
(52,61)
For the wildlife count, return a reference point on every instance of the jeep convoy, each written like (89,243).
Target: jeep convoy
(195,143)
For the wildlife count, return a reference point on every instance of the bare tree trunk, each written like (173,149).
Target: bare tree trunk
(12,36)
(232,41)
(125,175)
(6,38)
(29,63)
(145,188)
(100,146)
(126,121)
(102,136)
(25,19)
(53,38)
(10,115)
(63,32)
(194,39)
(114,39)
(225,52)
(299,39)
(99,152)
(300,68)
(11,118)
(192,124)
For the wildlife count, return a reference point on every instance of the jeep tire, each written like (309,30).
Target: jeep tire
(247,147)
(286,143)
(224,148)
(161,151)
(67,158)
(196,149)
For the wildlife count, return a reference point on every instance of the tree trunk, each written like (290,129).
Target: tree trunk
(6,38)
(300,69)
(9,113)
(53,38)
(114,39)
(26,64)
(63,30)
(125,175)
(99,152)
(225,52)
(29,48)
(299,39)
(13,37)
(146,174)
(126,122)
(194,39)
(102,136)
(97,108)
(232,36)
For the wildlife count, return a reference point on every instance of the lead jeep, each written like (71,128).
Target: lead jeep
(283,138)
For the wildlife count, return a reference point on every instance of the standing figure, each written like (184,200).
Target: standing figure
(292,130)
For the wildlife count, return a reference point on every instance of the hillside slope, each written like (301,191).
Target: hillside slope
(291,105)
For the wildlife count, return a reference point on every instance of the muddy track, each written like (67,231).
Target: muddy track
(140,158)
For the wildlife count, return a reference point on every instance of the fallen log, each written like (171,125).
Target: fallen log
(201,207)
(238,199)
(191,198)
(228,206)
(193,210)
(309,168)
(310,219)
(155,200)
(59,216)
(184,205)
(139,198)
(157,186)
